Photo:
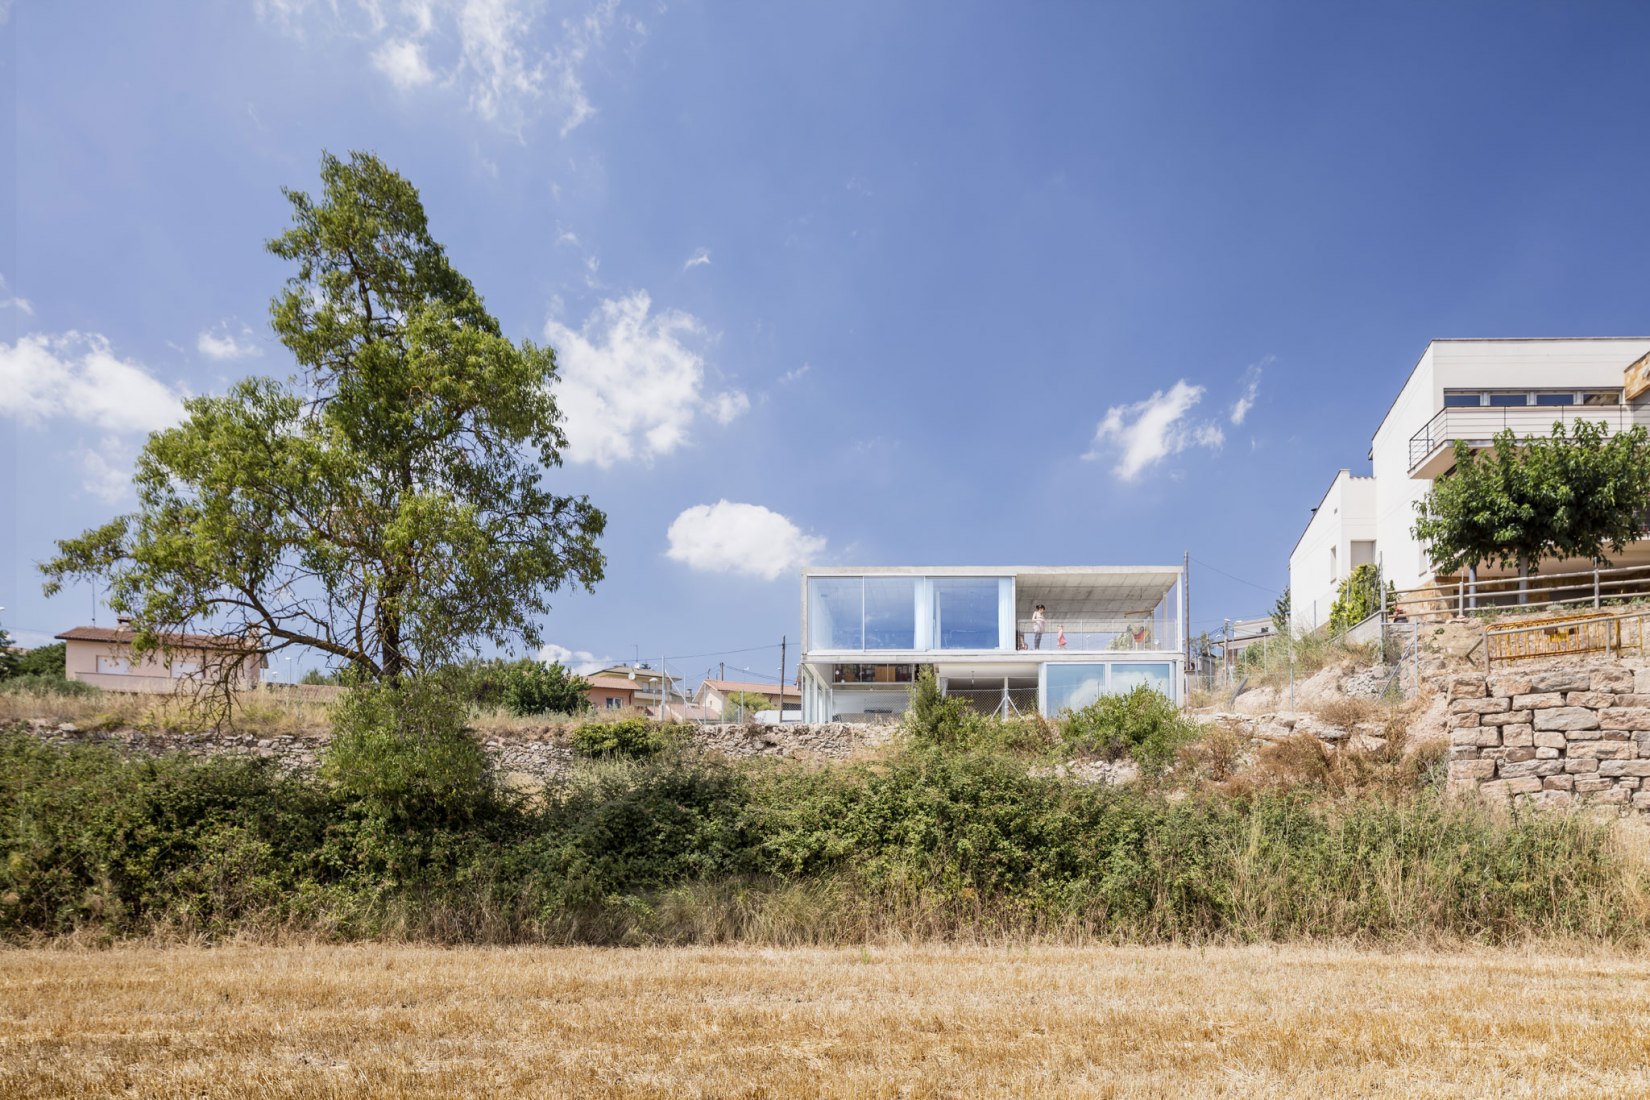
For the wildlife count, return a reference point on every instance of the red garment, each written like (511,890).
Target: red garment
(1061,640)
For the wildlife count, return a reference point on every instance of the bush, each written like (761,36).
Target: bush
(38,684)
(1359,598)
(628,738)
(45,661)
(531,687)
(400,752)
(1143,725)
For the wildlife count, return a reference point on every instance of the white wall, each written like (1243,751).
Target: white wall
(1323,557)
(1469,364)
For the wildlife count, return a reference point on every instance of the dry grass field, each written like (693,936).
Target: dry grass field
(873,1022)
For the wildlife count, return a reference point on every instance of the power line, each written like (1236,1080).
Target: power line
(1240,580)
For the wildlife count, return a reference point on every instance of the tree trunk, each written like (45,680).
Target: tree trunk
(1523,581)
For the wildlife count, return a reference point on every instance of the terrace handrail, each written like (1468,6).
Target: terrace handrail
(1589,587)
(1094,635)
(1484,422)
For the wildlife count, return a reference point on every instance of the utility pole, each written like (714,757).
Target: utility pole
(782,641)
(722,670)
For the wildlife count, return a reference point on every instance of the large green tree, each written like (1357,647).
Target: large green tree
(387,506)
(1580,493)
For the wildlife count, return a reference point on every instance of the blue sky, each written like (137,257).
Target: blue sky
(847,282)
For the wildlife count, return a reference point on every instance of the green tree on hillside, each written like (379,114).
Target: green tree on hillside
(1571,494)
(8,660)
(389,506)
(1280,613)
(744,703)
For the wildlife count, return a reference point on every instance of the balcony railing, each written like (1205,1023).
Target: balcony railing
(1090,635)
(1481,424)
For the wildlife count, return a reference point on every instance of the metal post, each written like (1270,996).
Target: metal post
(1595,584)
(782,641)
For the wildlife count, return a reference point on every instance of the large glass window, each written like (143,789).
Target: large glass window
(1125,678)
(836,607)
(890,612)
(1508,400)
(1072,687)
(965,613)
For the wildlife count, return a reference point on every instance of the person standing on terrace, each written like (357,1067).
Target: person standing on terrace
(1038,618)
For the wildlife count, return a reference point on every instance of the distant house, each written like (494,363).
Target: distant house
(611,692)
(713,696)
(102,656)
(644,683)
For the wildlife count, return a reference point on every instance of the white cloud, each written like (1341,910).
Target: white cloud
(21,305)
(106,470)
(504,57)
(402,60)
(740,538)
(582,662)
(725,408)
(1144,433)
(632,382)
(701,258)
(1251,389)
(796,374)
(221,343)
(78,377)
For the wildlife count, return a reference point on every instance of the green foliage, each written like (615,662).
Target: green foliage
(46,660)
(931,841)
(1142,724)
(532,687)
(388,507)
(317,677)
(936,719)
(1358,598)
(744,706)
(35,683)
(1575,493)
(1281,610)
(400,753)
(8,659)
(628,738)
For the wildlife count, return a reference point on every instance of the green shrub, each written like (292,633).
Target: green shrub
(39,684)
(401,753)
(1143,724)
(628,738)
(46,660)
(1358,598)
(531,687)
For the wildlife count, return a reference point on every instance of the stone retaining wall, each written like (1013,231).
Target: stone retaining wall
(541,754)
(1554,737)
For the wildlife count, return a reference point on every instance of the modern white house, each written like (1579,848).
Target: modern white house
(867,631)
(1459,390)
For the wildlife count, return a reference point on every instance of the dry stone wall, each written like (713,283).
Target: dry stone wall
(1554,737)
(537,753)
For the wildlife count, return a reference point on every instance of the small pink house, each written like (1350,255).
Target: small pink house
(102,656)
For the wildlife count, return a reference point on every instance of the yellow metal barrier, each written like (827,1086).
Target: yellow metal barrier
(1563,636)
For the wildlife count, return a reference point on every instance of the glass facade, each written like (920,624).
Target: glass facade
(1074,686)
(890,612)
(966,613)
(906,613)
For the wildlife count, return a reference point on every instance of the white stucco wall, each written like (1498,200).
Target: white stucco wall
(1345,516)
(1470,364)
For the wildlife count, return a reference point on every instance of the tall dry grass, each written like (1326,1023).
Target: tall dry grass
(1322,1022)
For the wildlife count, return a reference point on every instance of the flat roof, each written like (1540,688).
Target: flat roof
(989,570)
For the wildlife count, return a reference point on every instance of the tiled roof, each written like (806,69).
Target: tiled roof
(125,636)
(728,686)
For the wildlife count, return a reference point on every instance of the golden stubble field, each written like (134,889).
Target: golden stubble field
(843,1022)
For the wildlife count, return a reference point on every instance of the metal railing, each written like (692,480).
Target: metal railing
(1482,424)
(1579,591)
(1090,635)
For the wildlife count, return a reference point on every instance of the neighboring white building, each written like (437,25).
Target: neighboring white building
(1460,390)
(1104,629)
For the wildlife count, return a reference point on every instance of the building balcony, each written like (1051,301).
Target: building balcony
(1432,449)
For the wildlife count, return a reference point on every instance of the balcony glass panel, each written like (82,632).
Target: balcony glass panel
(836,608)
(965,613)
(890,612)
